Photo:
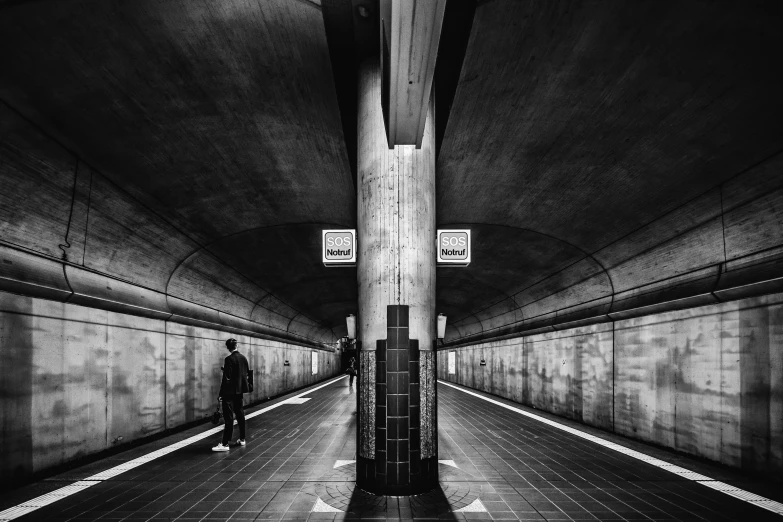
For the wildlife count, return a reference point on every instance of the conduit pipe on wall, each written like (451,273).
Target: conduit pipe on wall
(30,274)
(600,314)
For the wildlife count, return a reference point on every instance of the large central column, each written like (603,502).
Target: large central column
(397,432)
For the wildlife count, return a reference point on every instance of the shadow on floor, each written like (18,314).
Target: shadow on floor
(432,505)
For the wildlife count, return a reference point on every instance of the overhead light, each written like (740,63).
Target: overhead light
(441,326)
(351,323)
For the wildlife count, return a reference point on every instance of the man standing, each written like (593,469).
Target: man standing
(233,385)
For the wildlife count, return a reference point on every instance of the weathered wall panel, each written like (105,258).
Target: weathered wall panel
(75,380)
(707,381)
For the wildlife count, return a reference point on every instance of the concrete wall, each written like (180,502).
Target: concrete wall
(707,381)
(69,233)
(73,379)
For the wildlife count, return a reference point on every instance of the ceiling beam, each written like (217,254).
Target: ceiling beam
(410,33)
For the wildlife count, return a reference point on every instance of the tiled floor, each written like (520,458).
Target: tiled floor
(298,465)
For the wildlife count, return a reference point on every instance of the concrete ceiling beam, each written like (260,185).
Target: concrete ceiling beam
(410,34)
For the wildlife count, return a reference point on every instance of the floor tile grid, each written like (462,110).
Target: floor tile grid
(326,408)
(59,484)
(547,499)
(541,436)
(503,453)
(280,446)
(684,493)
(221,496)
(510,460)
(282,415)
(490,502)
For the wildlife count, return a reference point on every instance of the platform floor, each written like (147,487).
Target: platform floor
(298,465)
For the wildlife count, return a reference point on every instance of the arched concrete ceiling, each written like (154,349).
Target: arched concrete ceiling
(216,138)
(611,129)
(607,155)
(587,120)
(218,116)
(286,261)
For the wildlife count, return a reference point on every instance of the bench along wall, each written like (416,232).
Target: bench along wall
(76,380)
(707,381)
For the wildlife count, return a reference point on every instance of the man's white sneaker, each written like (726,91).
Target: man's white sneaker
(241,442)
(220,447)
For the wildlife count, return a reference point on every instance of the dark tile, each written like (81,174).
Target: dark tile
(415,462)
(403,473)
(413,371)
(392,364)
(392,315)
(398,338)
(404,382)
(402,360)
(402,428)
(413,416)
(398,405)
(392,427)
(380,393)
(414,439)
(414,395)
(402,451)
(380,438)
(380,461)
(392,448)
(392,477)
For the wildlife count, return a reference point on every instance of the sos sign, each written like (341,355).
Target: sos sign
(453,248)
(338,247)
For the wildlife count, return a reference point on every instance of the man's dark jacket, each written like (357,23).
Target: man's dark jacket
(234,375)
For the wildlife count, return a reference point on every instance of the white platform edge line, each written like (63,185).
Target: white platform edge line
(31,505)
(762,502)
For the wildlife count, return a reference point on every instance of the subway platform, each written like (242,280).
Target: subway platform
(497,461)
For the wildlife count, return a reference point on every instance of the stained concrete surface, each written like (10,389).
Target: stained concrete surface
(299,465)
(606,155)
(75,380)
(707,381)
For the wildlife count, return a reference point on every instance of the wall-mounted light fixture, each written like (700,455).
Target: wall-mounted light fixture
(350,322)
(441,326)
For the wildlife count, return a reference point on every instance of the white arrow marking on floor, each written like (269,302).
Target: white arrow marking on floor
(449,463)
(53,496)
(474,507)
(747,496)
(339,463)
(322,507)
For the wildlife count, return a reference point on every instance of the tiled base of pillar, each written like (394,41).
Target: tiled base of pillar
(403,402)
(369,480)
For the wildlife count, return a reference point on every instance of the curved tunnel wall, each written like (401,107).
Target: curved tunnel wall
(112,320)
(725,244)
(75,380)
(707,381)
(67,233)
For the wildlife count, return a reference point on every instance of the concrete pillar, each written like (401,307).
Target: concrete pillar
(397,432)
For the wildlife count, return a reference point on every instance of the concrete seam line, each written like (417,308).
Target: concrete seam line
(53,496)
(747,496)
